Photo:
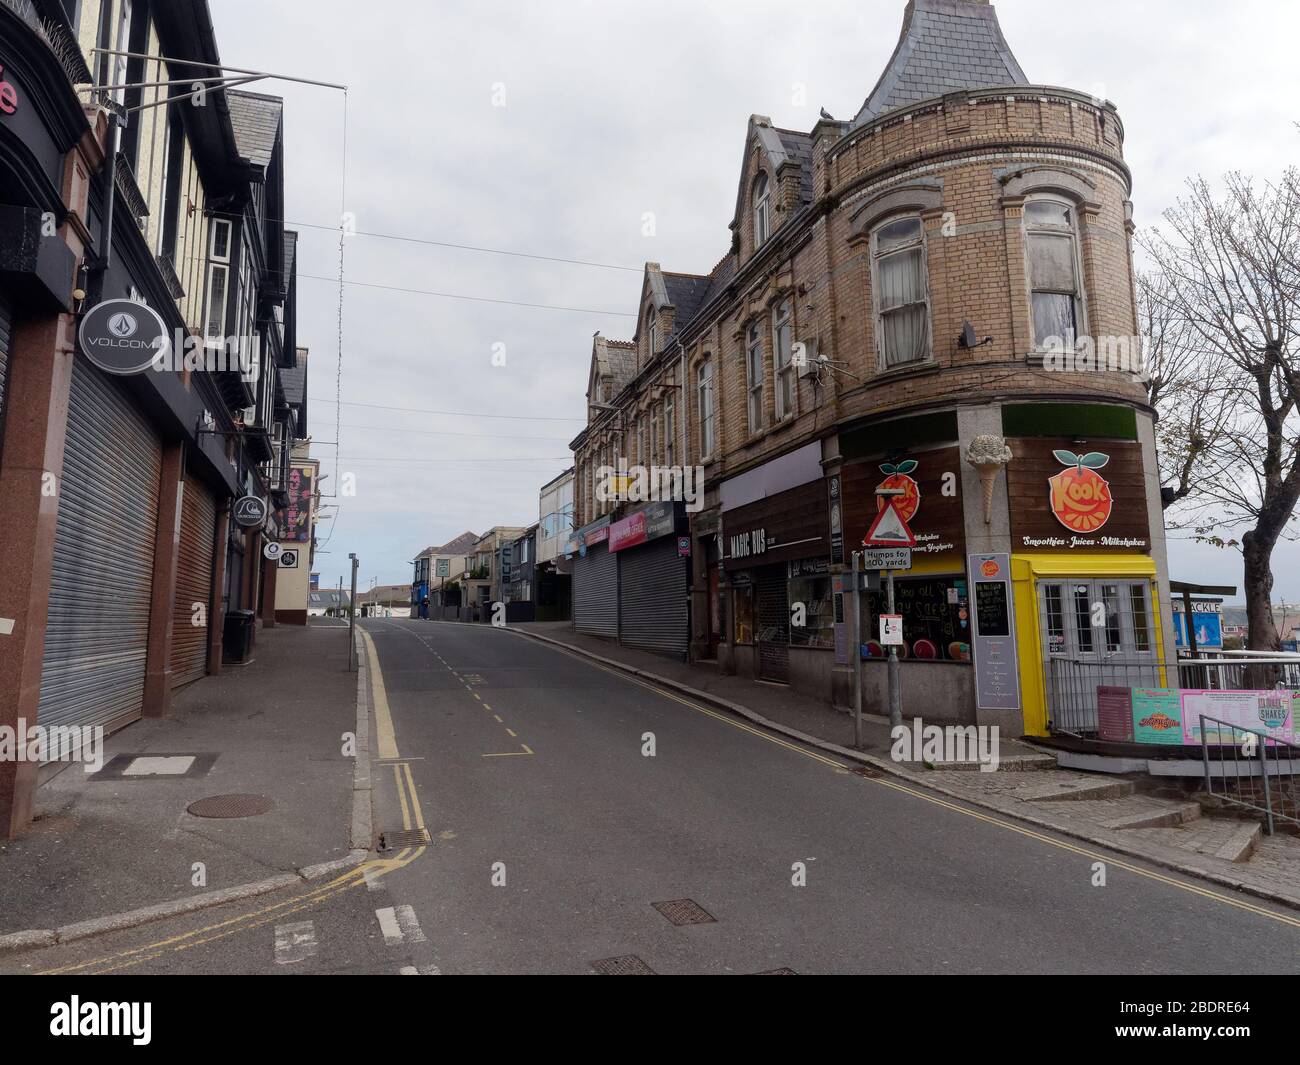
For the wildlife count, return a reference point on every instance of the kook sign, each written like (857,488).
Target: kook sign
(250,511)
(123,337)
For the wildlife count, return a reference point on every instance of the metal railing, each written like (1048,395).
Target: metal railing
(1239,670)
(1254,770)
(1072,685)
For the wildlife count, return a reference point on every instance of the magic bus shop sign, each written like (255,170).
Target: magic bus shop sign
(123,337)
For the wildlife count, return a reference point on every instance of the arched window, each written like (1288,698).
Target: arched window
(901,292)
(762,199)
(704,392)
(1052,255)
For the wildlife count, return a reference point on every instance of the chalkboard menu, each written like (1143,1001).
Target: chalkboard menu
(935,614)
(992,608)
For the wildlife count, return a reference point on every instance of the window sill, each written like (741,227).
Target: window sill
(920,368)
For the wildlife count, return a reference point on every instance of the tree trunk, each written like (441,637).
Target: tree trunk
(1261,630)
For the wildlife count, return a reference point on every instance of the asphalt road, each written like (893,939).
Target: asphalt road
(553,833)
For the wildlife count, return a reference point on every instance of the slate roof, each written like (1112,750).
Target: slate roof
(290,254)
(945,46)
(293,379)
(256,118)
(686,294)
(462,545)
(798,147)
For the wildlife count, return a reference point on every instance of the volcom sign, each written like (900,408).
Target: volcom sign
(250,511)
(123,337)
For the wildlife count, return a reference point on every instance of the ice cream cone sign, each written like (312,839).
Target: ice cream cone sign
(1080,498)
(988,454)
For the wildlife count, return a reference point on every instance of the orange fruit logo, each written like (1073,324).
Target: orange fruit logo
(989,568)
(909,502)
(1080,497)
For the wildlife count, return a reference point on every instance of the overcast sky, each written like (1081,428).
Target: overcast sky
(613,110)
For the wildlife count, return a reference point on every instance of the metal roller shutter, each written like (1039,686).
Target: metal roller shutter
(653,598)
(189,654)
(595,592)
(97,635)
(773,624)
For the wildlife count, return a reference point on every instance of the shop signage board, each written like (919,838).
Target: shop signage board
(289,558)
(1173,715)
(272,550)
(297,515)
(1066,496)
(997,668)
(836,520)
(249,511)
(123,337)
(684,546)
(777,528)
(442,567)
(1207,623)
(929,500)
(649,523)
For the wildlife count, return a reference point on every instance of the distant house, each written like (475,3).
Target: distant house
(326,601)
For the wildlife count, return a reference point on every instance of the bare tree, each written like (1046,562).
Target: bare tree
(1184,385)
(1232,271)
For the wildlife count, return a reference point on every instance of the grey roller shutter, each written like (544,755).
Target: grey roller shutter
(595,592)
(773,624)
(189,652)
(97,636)
(654,598)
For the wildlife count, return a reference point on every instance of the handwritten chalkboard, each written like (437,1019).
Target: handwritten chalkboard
(991,608)
(928,612)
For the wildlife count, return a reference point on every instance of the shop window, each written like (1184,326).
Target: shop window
(936,619)
(1083,619)
(754,376)
(1110,599)
(1141,627)
(762,199)
(744,614)
(1055,609)
(902,303)
(810,597)
(783,362)
(1051,248)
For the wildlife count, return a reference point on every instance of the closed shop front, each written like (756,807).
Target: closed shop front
(777,562)
(192,613)
(98,628)
(654,587)
(595,580)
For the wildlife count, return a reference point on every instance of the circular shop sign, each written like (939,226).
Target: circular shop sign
(123,337)
(250,511)
(271,550)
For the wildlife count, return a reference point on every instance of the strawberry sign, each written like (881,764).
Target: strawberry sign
(1080,498)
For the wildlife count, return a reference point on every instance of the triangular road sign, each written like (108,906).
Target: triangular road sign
(889,530)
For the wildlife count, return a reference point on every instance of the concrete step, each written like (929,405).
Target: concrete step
(1241,843)
(1159,814)
(1020,763)
(1074,789)
(1215,837)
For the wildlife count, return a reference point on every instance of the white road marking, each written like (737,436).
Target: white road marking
(6,626)
(423,970)
(399,926)
(372,880)
(294,942)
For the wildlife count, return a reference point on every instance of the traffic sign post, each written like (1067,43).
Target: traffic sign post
(891,532)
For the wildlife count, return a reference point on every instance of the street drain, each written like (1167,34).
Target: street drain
(624,965)
(866,771)
(684,911)
(230,806)
(403,837)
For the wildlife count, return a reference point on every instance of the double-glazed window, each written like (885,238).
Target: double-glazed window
(704,394)
(782,361)
(754,376)
(762,199)
(218,278)
(902,300)
(1052,253)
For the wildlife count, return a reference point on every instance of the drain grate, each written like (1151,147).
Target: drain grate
(684,911)
(869,771)
(403,837)
(623,965)
(230,806)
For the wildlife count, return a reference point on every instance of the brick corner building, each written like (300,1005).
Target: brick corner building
(950,266)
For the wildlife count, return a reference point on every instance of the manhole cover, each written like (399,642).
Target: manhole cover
(624,965)
(230,806)
(403,837)
(684,911)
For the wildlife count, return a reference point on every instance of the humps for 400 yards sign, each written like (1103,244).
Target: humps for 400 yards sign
(122,336)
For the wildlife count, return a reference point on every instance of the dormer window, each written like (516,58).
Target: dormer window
(762,199)
(652,332)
